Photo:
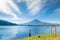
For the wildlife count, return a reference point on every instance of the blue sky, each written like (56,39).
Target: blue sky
(51,14)
(18,11)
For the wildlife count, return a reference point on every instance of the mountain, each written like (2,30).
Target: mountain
(36,22)
(2,22)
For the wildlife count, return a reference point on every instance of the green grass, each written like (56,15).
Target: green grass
(43,37)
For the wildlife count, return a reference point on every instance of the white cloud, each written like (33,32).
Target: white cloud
(17,21)
(53,18)
(57,12)
(35,5)
(14,6)
(7,6)
(6,9)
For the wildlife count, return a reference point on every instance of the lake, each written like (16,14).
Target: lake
(23,31)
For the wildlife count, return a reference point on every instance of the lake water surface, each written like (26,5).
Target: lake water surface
(23,31)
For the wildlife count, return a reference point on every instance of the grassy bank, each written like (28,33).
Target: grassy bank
(43,37)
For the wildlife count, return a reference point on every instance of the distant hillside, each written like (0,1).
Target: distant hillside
(35,22)
(2,22)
